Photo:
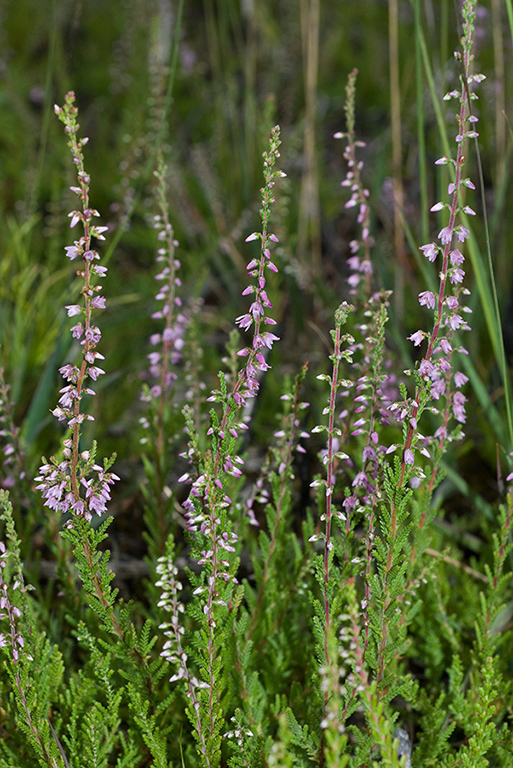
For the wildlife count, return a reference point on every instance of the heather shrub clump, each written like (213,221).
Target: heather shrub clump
(297,591)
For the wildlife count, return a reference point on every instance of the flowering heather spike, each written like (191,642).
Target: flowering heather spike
(77,484)
(436,364)
(359,262)
(174,631)
(168,344)
(248,382)
(434,378)
(9,610)
(330,459)
(12,469)
(207,504)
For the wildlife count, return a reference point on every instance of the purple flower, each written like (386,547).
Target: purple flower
(455,321)
(460,379)
(244,321)
(98,232)
(93,335)
(456,275)
(98,302)
(430,251)
(426,368)
(458,407)
(427,298)
(456,257)
(417,338)
(269,339)
(94,372)
(72,252)
(462,233)
(452,302)
(445,235)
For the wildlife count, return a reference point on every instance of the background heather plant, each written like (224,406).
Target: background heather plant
(301,594)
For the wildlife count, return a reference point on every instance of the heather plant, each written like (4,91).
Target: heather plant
(285,617)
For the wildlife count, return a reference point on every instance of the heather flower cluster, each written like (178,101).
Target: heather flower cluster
(13,464)
(173,630)
(207,488)
(435,369)
(288,442)
(65,485)
(359,262)
(169,601)
(208,504)
(256,317)
(375,393)
(375,387)
(169,343)
(8,610)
